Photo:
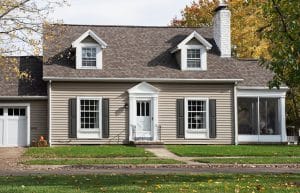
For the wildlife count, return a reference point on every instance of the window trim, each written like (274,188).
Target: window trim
(89,58)
(196,133)
(79,56)
(83,133)
(203,58)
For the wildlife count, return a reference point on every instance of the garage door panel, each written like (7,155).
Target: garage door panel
(14,126)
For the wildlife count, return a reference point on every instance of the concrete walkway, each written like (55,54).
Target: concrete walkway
(166,154)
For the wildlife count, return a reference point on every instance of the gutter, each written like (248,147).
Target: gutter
(23,97)
(71,79)
(235,114)
(49,113)
(261,88)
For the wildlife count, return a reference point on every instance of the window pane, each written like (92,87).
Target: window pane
(1,112)
(22,112)
(89,57)
(89,115)
(268,114)
(247,116)
(10,112)
(193,58)
(196,114)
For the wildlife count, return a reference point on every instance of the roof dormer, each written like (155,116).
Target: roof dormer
(89,48)
(191,53)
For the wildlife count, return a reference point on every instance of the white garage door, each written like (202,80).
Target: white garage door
(13,126)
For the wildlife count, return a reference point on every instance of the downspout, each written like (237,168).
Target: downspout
(235,114)
(49,112)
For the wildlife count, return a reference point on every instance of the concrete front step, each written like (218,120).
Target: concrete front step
(148,144)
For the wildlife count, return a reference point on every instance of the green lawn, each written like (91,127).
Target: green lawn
(87,151)
(251,160)
(91,161)
(204,183)
(232,150)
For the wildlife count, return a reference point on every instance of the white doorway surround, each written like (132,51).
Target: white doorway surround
(14,125)
(143,113)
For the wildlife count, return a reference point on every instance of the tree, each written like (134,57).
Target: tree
(283,33)
(245,38)
(21,24)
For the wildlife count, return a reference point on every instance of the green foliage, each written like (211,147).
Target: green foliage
(204,183)
(234,150)
(283,32)
(87,151)
(251,160)
(98,161)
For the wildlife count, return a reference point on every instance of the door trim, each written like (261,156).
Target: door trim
(27,106)
(143,91)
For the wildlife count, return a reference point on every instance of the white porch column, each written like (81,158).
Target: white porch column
(131,122)
(283,120)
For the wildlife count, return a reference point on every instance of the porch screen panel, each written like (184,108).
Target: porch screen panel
(247,116)
(268,116)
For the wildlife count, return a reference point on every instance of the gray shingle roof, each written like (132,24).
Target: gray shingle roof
(11,85)
(143,52)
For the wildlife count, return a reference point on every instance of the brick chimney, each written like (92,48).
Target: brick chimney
(222,34)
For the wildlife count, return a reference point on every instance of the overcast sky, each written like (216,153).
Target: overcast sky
(120,12)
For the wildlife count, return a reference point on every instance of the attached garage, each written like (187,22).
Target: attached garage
(14,125)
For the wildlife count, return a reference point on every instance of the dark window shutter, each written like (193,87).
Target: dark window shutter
(212,118)
(180,117)
(105,118)
(72,118)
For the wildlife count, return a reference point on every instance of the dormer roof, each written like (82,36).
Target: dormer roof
(89,33)
(193,35)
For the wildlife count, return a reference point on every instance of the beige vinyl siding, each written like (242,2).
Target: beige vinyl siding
(118,96)
(38,117)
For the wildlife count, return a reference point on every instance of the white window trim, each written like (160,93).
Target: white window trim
(203,56)
(79,55)
(88,133)
(191,133)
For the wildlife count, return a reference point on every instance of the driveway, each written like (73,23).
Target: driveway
(9,157)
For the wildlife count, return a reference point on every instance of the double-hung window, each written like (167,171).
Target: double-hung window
(89,58)
(196,113)
(194,58)
(89,117)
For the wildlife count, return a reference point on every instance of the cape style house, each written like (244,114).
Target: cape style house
(138,84)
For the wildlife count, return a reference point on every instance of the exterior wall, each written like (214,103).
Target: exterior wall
(117,93)
(38,117)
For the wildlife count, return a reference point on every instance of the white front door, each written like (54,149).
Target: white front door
(143,120)
(13,126)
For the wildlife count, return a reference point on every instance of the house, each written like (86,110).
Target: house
(135,84)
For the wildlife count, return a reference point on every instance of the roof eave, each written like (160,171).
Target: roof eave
(182,80)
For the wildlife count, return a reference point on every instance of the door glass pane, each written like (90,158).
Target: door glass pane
(22,112)
(10,112)
(138,109)
(147,108)
(268,114)
(143,109)
(1,112)
(16,112)
(247,116)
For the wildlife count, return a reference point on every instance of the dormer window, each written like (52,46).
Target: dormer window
(193,58)
(89,51)
(89,57)
(191,53)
